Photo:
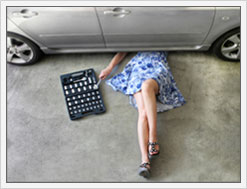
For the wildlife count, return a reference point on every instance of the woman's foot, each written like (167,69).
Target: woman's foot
(153,149)
(144,170)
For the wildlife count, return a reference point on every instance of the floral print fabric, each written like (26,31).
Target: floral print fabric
(149,65)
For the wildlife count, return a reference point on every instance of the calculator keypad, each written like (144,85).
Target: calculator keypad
(81,97)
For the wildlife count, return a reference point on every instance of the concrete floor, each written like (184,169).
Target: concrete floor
(200,141)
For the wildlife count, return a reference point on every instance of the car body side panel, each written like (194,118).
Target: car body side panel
(155,26)
(59,27)
(226,19)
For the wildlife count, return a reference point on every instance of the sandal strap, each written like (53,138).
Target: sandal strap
(153,146)
(145,164)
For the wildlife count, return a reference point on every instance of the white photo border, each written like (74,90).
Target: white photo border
(5,4)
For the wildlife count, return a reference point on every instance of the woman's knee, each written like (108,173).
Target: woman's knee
(150,85)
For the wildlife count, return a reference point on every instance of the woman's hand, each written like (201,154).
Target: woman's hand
(104,73)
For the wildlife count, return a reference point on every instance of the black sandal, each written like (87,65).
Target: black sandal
(144,170)
(151,156)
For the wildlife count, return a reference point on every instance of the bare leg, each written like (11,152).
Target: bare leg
(142,127)
(149,90)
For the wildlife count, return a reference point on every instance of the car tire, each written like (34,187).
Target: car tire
(227,47)
(21,51)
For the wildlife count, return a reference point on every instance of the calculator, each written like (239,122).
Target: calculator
(81,96)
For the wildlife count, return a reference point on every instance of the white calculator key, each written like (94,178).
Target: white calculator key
(78,89)
(69,104)
(70,86)
(79,96)
(84,95)
(88,94)
(88,99)
(91,108)
(66,92)
(79,110)
(82,101)
(80,84)
(72,90)
(89,80)
(74,107)
(87,108)
(70,108)
(90,87)
(65,87)
(84,88)
(98,97)
(75,111)
(73,98)
(76,102)
(75,85)
(85,83)
(68,99)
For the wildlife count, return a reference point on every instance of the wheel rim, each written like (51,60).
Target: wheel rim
(230,48)
(18,51)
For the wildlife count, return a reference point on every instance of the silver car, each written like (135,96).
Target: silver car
(34,31)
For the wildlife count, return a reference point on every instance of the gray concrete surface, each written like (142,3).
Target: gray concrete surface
(200,142)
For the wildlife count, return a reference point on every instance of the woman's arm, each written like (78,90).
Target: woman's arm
(116,60)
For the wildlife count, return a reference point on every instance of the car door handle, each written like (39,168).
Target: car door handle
(25,13)
(118,12)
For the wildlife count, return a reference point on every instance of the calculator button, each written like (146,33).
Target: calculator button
(80,84)
(84,88)
(79,110)
(68,99)
(79,90)
(76,102)
(85,83)
(65,87)
(75,111)
(70,86)
(69,104)
(70,108)
(74,107)
(75,85)
(71,112)
(88,94)
(78,106)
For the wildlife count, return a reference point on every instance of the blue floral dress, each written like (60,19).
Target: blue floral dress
(149,65)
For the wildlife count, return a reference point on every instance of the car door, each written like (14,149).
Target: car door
(59,27)
(155,26)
